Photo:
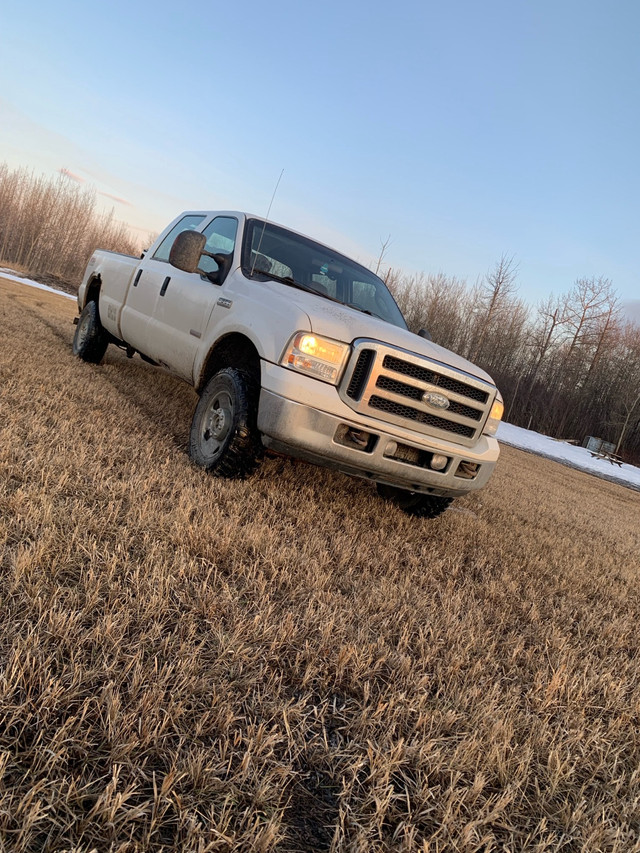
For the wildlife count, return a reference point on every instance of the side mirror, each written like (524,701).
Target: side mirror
(424,334)
(187,250)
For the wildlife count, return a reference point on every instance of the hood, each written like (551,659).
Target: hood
(336,321)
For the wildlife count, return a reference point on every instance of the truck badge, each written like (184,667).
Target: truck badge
(225,303)
(437,401)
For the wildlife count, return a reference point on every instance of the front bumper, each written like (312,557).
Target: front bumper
(372,449)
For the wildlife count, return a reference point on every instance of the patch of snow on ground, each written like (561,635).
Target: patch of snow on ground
(568,454)
(11,276)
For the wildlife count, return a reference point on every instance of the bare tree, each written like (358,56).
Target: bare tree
(591,301)
(51,225)
(588,308)
(625,398)
(384,245)
(496,290)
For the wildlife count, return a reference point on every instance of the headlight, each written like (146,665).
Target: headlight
(319,357)
(495,416)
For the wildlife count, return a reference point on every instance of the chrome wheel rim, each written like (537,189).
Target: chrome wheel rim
(216,424)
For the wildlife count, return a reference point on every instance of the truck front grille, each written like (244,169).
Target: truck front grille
(420,417)
(360,373)
(394,385)
(423,374)
(415,393)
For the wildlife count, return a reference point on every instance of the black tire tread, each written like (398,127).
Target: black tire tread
(244,449)
(92,347)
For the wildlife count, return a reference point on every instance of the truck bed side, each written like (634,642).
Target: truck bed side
(113,272)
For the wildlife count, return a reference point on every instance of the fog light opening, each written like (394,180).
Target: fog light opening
(357,439)
(468,470)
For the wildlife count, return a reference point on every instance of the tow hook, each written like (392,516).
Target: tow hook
(361,439)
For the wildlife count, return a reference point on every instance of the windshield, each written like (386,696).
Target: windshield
(270,251)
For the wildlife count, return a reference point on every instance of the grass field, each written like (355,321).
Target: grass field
(287,663)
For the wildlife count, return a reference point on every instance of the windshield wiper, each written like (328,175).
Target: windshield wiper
(286,279)
(362,310)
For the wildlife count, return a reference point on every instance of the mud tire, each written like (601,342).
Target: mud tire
(414,503)
(90,341)
(224,436)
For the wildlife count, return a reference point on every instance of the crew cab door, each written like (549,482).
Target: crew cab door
(142,295)
(185,301)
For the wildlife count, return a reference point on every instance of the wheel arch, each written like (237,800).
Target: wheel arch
(232,350)
(92,291)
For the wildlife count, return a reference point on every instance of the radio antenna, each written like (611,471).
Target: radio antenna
(264,224)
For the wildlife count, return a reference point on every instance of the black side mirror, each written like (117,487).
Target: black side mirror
(424,334)
(187,250)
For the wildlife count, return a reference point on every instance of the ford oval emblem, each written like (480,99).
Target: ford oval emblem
(438,401)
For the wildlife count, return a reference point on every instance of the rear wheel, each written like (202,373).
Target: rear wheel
(90,341)
(224,435)
(414,503)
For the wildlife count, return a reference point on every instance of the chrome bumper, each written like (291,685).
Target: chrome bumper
(332,441)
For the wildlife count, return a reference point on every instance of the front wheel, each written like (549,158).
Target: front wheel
(90,341)
(224,435)
(414,503)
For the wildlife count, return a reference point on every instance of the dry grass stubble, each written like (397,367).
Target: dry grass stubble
(287,663)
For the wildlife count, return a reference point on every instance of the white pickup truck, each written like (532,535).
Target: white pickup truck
(295,348)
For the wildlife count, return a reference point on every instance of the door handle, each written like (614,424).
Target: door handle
(137,278)
(165,285)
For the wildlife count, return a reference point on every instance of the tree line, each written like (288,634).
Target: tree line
(568,368)
(52,225)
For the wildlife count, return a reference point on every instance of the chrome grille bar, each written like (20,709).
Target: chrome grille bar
(391,384)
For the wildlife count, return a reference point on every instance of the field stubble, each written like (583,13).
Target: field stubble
(287,663)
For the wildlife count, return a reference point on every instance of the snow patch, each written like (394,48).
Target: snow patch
(568,454)
(11,276)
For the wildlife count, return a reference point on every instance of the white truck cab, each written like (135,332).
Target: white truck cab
(295,348)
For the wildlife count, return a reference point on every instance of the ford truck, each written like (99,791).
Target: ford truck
(297,349)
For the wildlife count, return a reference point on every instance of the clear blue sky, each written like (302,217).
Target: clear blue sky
(462,129)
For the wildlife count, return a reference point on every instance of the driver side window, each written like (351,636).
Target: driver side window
(221,239)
